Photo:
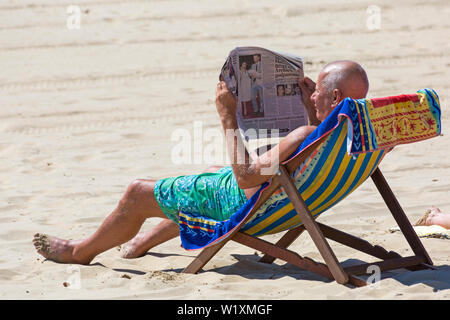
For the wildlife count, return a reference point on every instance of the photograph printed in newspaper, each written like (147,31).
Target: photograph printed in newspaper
(265,84)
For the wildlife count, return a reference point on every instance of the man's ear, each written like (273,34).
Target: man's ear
(336,98)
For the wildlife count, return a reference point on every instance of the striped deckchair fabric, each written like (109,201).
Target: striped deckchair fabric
(324,179)
(354,139)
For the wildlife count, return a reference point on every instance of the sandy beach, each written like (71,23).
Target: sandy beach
(83,112)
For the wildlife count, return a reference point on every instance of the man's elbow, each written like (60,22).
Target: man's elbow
(251,181)
(250,177)
(247,182)
(244,183)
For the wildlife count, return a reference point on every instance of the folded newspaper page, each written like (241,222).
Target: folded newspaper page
(265,84)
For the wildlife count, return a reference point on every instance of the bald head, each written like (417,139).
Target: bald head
(336,81)
(348,77)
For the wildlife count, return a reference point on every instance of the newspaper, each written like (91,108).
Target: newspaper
(265,84)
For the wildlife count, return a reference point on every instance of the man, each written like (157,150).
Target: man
(280,90)
(162,198)
(289,91)
(257,88)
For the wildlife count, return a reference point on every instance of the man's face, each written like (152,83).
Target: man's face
(322,99)
(256,58)
(288,89)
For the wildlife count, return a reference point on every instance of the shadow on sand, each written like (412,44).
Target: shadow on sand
(248,267)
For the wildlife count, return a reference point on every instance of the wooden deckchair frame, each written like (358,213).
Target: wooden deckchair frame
(332,269)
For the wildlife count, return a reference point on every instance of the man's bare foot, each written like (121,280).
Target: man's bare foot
(136,247)
(56,249)
(144,241)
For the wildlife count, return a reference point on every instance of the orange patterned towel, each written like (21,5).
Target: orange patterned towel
(383,123)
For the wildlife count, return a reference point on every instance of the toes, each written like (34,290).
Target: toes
(124,252)
(39,236)
(434,209)
(37,241)
(41,250)
(42,243)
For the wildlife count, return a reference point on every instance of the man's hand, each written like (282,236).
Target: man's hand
(225,102)
(308,87)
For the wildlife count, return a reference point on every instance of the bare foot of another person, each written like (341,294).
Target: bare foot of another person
(58,250)
(434,216)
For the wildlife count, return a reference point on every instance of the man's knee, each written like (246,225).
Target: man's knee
(138,190)
(212,169)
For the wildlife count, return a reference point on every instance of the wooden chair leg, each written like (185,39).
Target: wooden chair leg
(400,216)
(364,246)
(284,242)
(292,257)
(311,226)
(204,257)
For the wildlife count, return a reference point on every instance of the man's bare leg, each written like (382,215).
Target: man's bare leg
(144,241)
(137,204)
(164,231)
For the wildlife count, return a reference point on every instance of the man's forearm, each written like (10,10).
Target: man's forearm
(249,172)
(240,159)
(246,171)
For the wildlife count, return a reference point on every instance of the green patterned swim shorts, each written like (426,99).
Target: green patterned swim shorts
(213,195)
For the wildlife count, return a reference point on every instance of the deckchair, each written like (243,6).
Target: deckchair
(336,158)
